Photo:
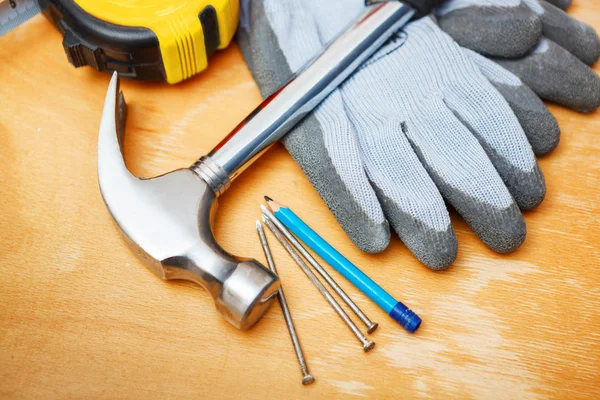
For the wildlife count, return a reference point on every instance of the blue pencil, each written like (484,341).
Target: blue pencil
(395,309)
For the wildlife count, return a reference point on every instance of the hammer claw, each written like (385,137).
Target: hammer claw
(166,221)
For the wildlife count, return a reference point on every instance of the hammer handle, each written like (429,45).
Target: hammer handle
(278,113)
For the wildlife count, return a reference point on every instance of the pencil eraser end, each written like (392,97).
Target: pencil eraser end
(405,317)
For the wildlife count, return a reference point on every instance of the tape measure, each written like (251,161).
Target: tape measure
(167,40)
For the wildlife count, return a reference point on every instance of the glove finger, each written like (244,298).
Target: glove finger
(482,109)
(454,158)
(577,37)
(390,88)
(500,29)
(466,177)
(324,146)
(411,201)
(276,38)
(562,4)
(487,115)
(539,125)
(556,75)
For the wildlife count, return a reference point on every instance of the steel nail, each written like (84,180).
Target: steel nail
(307,378)
(367,344)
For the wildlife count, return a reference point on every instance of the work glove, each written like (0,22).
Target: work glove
(417,122)
(537,41)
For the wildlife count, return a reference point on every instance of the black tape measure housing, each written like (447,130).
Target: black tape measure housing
(132,51)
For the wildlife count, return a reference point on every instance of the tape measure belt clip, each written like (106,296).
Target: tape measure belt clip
(143,39)
(132,51)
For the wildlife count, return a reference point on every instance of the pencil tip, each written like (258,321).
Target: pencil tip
(258,225)
(267,198)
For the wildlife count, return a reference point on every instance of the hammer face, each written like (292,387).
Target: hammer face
(167,222)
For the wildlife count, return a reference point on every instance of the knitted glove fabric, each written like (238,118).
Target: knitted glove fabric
(537,41)
(539,125)
(417,124)
(512,28)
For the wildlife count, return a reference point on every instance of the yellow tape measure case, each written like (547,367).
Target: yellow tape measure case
(144,39)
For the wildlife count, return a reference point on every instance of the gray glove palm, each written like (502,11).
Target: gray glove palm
(417,122)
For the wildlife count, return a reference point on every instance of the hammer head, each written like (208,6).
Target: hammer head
(167,221)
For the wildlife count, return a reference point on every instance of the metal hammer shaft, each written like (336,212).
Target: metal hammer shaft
(287,106)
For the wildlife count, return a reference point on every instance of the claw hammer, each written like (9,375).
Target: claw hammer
(167,220)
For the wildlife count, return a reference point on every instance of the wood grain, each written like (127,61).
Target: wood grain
(81,317)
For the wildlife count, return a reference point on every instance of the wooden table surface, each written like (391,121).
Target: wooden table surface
(82,317)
